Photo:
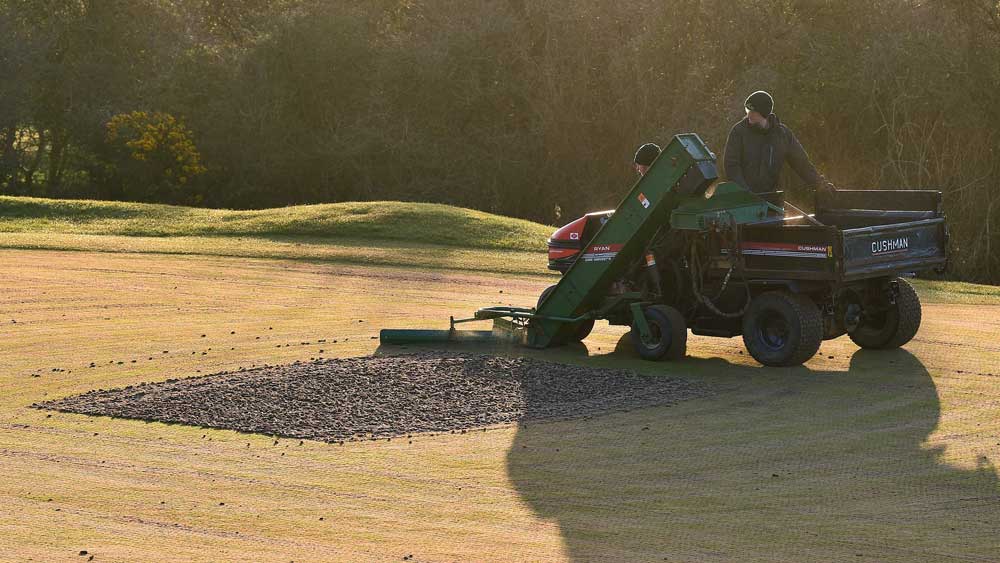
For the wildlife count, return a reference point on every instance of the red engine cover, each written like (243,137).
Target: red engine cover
(567,242)
(572,231)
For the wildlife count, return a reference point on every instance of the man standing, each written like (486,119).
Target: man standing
(760,145)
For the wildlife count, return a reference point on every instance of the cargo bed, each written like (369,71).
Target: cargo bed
(864,234)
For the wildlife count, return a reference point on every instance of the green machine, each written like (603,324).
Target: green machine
(683,251)
(723,203)
(681,175)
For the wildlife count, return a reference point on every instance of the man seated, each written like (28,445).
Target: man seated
(645,156)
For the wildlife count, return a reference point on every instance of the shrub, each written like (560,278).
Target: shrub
(158,157)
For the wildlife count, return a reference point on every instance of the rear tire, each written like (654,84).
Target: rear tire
(782,329)
(581,330)
(893,327)
(668,334)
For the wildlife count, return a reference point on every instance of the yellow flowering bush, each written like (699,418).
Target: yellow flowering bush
(161,142)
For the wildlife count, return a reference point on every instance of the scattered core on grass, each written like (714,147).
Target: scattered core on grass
(384,396)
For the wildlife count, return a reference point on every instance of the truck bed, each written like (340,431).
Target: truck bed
(865,234)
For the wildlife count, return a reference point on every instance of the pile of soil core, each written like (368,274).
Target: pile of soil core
(384,396)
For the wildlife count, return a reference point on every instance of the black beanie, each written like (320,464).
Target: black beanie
(646,154)
(760,102)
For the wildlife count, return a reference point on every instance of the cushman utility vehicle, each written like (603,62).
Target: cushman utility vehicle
(684,251)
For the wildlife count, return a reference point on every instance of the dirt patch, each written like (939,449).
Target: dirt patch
(386,396)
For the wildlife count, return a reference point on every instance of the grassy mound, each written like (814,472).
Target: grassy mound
(424,223)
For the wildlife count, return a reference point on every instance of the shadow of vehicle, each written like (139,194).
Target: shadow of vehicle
(782,465)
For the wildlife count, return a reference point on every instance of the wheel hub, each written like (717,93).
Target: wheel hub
(773,330)
(852,317)
(656,336)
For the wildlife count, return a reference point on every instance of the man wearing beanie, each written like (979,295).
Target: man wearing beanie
(760,145)
(645,156)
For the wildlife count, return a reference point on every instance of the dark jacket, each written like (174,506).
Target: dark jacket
(754,157)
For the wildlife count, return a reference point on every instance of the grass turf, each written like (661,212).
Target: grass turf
(855,456)
(422,223)
(884,456)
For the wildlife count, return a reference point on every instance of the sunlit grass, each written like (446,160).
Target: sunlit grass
(958,292)
(313,249)
(384,220)
(886,453)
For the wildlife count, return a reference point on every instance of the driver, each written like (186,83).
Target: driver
(645,156)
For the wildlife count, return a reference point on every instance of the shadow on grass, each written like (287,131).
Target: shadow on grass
(787,465)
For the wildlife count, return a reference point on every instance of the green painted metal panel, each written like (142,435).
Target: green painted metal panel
(726,202)
(413,336)
(684,169)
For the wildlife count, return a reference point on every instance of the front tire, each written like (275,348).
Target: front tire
(668,334)
(581,329)
(782,329)
(894,326)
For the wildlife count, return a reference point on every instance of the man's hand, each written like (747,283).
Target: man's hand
(828,187)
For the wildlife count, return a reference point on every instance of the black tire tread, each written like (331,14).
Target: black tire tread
(810,323)
(583,329)
(678,334)
(908,304)
(909,315)
(812,329)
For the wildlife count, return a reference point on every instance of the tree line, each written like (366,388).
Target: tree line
(531,109)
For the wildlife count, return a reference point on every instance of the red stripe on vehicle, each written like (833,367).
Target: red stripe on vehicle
(784,246)
(562,253)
